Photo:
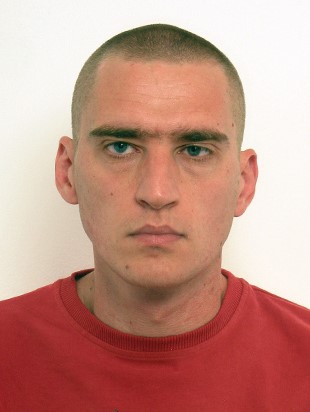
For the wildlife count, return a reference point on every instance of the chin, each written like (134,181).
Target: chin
(156,280)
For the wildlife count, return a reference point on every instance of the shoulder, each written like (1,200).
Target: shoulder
(29,321)
(28,297)
(269,314)
(21,309)
(277,315)
(43,305)
(279,304)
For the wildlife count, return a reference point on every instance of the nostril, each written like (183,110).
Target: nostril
(156,204)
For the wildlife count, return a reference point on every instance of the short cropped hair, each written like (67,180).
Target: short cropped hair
(156,42)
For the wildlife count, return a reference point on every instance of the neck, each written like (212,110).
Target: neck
(153,313)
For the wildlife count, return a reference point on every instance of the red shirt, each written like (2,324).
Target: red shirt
(57,356)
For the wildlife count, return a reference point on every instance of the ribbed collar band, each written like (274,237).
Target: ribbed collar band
(125,341)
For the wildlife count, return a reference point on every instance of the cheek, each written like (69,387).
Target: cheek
(102,204)
(93,200)
(215,209)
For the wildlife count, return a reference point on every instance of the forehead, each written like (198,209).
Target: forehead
(159,94)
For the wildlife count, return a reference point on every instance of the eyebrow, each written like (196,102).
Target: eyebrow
(201,136)
(185,135)
(118,132)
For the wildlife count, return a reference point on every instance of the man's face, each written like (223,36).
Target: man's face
(157,170)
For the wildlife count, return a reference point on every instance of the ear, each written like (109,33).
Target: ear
(64,170)
(248,178)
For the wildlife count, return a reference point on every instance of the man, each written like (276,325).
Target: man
(156,167)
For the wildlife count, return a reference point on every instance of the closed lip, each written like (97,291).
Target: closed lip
(156,236)
(156,230)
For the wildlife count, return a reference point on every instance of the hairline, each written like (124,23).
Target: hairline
(87,78)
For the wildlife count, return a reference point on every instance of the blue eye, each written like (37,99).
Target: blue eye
(195,151)
(119,147)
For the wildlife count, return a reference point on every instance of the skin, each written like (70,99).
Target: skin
(156,203)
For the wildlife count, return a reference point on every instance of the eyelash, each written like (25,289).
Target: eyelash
(181,150)
(198,158)
(120,155)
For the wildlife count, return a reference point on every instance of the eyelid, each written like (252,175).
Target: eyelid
(119,142)
(201,146)
(115,154)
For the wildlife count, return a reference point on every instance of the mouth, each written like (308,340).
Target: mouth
(156,235)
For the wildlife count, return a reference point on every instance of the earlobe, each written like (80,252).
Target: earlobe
(248,179)
(64,170)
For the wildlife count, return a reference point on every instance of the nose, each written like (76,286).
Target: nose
(158,181)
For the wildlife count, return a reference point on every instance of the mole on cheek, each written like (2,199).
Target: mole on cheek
(111,194)
(126,267)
